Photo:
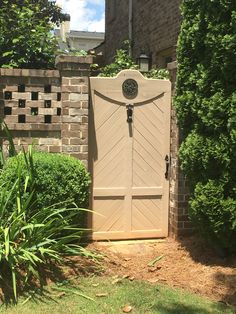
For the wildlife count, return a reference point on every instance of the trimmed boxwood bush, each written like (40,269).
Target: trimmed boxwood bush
(206,109)
(58,179)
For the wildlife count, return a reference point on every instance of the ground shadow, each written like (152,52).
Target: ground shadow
(51,273)
(179,308)
(229,281)
(204,253)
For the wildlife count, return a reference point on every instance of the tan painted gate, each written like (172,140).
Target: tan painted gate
(129,154)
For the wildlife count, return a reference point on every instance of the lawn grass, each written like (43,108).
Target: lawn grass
(144,298)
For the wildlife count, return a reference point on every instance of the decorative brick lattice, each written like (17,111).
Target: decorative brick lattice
(33,99)
(48,107)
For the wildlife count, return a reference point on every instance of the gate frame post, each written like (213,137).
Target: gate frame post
(179,224)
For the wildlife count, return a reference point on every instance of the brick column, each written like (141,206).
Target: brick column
(74,73)
(179,223)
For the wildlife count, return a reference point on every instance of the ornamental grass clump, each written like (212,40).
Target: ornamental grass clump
(206,109)
(31,236)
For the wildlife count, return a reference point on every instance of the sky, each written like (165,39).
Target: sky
(86,15)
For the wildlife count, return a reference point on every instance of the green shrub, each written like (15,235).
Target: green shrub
(123,61)
(215,214)
(28,237)
(206,109)
(204,157)
(58,179)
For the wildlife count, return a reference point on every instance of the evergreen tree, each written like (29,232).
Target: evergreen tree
(206,109)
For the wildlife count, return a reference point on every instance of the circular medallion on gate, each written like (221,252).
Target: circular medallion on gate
(130,88)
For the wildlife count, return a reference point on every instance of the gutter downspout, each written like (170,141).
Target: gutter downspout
(130,26)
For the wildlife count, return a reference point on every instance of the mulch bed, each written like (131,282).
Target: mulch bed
(187,264)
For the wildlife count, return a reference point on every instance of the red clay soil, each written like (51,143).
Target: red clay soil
(187,264)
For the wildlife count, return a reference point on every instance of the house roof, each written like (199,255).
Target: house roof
(84,34)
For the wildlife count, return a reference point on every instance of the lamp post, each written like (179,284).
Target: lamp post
(143,62)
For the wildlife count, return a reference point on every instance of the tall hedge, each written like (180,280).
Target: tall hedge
(206,109)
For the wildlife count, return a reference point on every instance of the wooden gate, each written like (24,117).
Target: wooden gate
(129,156)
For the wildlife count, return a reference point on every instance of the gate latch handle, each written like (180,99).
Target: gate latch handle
(129,109)
(167,160)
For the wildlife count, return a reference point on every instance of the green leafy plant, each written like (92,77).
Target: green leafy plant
(161,74)
(123,61)
(26,33)
(30,237)
(214,214)
(57,178)
(72,52)
(206,109)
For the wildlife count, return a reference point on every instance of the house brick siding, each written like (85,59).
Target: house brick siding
(116,26)
(156,25)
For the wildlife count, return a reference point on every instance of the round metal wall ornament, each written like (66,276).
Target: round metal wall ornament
(130,88)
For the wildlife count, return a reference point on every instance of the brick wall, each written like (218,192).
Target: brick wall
(179,223)
(48,107)
(156,25)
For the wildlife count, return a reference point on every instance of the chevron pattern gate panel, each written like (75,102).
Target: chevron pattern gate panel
(129,156)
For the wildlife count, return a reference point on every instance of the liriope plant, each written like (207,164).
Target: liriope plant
(30,237)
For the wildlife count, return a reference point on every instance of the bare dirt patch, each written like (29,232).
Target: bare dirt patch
(187,264)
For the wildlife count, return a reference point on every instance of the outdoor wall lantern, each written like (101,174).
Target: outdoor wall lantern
(143,62)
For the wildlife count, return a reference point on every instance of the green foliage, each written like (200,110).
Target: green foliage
(215,214)
(78,53)
(30,237)
(206,109)
(161,74)
(205,157)
(26,33)
(58,179)
(73,52)
(122,61)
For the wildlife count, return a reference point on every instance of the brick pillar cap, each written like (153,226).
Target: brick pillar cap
(73,59)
